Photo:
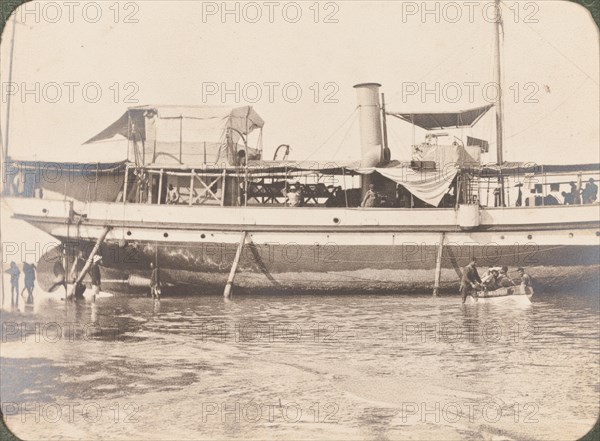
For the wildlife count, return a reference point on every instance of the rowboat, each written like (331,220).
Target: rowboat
(519,292)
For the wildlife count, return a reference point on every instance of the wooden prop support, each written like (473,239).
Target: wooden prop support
(236,261)
(438,266)
(90,259)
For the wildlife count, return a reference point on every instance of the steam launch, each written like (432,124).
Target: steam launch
(196,200)
(201,223)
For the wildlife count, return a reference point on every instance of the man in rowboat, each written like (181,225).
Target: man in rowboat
(525,278)
(470,281)
(504,280)
(490,280)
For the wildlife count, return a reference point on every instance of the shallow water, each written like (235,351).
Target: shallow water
(301,367)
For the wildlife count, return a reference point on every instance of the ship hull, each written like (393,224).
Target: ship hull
(274,269)
(330,250)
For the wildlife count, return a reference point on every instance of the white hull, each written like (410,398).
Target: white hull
(328,248)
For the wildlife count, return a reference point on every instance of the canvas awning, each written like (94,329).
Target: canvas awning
(444,120)
(213,118)
(184,134)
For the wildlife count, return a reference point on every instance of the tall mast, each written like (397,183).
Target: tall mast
(10,72)
(499,103)
(499,100)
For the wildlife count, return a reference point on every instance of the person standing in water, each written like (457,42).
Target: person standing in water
(525,278)
(60,277)
(155,285)
(470,280)
(29,274)
(95,276)
(14,283)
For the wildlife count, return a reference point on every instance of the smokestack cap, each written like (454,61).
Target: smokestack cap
(366,85)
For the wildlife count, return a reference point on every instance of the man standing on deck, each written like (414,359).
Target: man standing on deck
(575,193)
(567,198)
(293,195)
(590,192)
(371,198)
(172,195)
(470,280)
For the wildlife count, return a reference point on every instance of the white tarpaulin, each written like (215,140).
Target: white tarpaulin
(185,134)
(428,185)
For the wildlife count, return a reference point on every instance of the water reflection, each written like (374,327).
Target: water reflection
(366,361)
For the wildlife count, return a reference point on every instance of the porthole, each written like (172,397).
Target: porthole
(203,236)
(530,237)
(45,211)
(166,235)
(129,233)
(336,220)
(571,235)
(502,237)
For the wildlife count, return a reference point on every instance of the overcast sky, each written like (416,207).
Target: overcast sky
(180,52)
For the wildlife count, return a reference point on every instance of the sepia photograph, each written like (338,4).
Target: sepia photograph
(300,220)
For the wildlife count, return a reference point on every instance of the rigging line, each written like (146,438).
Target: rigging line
(554,47)
(395,136)
(458,50)
(461,63)
(331,136)
(569,96)
(345,135)
(10,75)
(457,65)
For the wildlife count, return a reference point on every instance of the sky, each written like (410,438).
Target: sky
(296,64)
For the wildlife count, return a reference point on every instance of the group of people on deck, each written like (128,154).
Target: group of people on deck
(494,279)
(576,196)
(294,197)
